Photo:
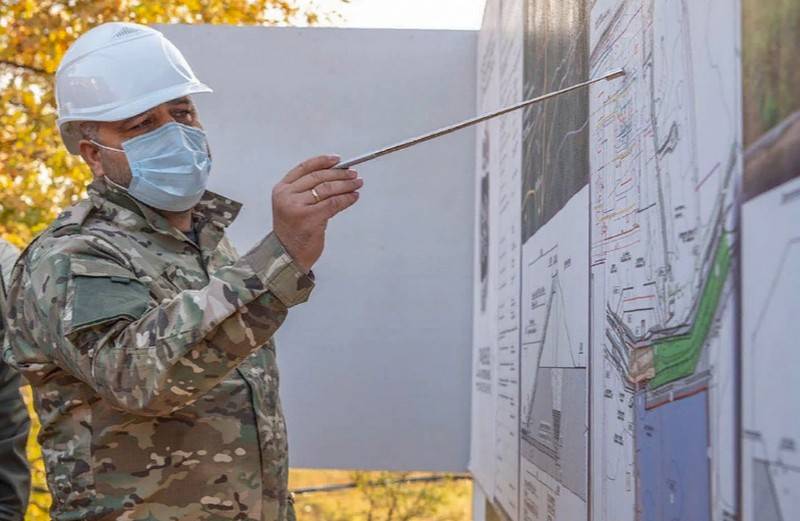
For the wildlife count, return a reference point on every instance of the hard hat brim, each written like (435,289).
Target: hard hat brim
(70,130)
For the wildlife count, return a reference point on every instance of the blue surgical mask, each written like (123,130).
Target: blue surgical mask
(169,166)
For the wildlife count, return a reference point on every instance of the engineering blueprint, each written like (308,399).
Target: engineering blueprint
(607,240)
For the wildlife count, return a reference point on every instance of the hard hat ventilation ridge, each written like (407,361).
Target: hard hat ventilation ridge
(125,31)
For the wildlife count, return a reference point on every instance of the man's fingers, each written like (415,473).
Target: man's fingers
(330,189)
(310,165)
(307,182)
(333,205)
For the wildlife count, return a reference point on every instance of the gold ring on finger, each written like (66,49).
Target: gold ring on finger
(315,194)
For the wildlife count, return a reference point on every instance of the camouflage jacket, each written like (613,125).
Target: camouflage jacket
(152,362)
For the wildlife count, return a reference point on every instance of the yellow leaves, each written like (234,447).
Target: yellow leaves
(29,8)
(39,504)
(28,99)
(378,496)
(14,239)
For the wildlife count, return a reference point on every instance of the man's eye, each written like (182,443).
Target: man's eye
(141,125)
(183,113)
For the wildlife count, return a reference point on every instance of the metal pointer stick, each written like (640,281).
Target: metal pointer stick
(468,123)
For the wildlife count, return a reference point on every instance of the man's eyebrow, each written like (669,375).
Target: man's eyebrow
(137,116)
(180,101)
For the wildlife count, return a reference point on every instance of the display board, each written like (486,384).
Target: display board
(496,385)
(635,251)
(771,261)
(616,275)
(663,243)
(375,367)
(555,291)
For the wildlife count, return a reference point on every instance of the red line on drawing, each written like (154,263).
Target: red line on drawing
(676,397)
(630,299)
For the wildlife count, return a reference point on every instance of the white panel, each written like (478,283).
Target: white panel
(495,393)
(376,367)
(484,325)
(771,282)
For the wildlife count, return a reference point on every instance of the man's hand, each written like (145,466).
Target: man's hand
(299,217)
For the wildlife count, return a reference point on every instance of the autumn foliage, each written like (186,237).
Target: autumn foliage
(38,177)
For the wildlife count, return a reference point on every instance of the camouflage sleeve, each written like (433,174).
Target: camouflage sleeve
(153,358)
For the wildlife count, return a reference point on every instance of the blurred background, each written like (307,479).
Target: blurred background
(38,178)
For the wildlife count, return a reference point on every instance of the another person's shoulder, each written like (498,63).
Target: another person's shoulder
(8,256)
(8,252)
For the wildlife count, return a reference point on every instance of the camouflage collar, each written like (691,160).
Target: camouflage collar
(212,208)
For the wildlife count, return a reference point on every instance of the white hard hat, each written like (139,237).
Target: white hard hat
(115,71)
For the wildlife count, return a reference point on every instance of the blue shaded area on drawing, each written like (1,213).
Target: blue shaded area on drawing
(673,482)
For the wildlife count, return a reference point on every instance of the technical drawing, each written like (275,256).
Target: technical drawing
(555,268)
(553,372)
(771,424)
(663,235)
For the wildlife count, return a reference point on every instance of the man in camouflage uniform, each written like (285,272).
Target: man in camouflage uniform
(148,340)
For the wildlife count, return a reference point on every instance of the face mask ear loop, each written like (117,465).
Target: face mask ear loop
(106,147)
(115,185)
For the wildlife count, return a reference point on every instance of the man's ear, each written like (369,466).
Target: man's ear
(91,154)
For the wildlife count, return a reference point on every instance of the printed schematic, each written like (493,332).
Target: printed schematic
(662,243)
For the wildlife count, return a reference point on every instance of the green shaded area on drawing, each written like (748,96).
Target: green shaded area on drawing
(676,357)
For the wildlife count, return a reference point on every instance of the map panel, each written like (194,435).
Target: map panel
(496,305)
(484,330)
(770,412)
(608,249)
(662,257)
(508,255)
(555,269)
(770,261)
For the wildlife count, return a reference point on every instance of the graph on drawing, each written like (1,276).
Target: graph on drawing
(553,422)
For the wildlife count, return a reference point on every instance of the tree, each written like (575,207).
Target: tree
(389,499)
(380,496)
(38,177)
